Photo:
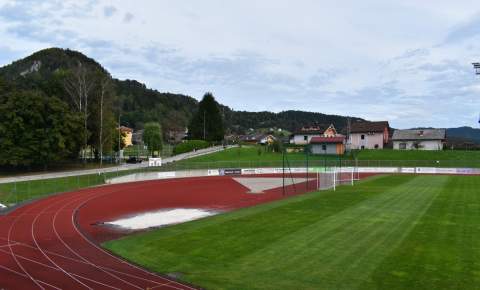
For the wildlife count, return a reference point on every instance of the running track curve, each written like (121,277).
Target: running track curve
(54,243)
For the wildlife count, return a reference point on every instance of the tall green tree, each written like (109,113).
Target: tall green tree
(37,130)
(152,137)
(207,123)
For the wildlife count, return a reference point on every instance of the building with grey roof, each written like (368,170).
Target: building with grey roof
(419,139)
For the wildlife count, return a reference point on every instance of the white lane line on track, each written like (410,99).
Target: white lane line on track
(13,254)
(80,256)
(25,276)
(83,262)
(9,245)
(97,247)
(115,257)
(56,269)
(44,254)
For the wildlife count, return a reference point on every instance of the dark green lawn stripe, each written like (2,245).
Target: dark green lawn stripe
(356,240)
(443,250)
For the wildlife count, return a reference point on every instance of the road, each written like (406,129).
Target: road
(111,169)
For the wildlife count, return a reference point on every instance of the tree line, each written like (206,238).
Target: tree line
(56,120)
(75,115)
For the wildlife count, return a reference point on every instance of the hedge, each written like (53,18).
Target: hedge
(189,146)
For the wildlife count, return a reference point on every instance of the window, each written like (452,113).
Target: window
(363,147)
(376,146)
(402,146)
(305,138)
(324,147)
(362,137)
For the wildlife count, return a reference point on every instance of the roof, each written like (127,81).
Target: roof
(323,140)
(310,132)
(126,129)
(419,134)
(366,127)
(317,129)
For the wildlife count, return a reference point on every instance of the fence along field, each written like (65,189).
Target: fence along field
(249,157)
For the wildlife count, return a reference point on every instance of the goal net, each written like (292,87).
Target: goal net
(331,177)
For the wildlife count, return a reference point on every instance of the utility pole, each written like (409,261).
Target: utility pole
(119,136)
(476,67)
(283,171)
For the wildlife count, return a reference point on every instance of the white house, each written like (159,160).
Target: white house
(421,139)
(368,135)
(305,134)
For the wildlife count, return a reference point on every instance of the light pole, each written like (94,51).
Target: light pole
(476,67)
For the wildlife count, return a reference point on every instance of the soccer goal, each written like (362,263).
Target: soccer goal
(331,177)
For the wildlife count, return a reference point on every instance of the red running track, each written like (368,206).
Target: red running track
(53,243)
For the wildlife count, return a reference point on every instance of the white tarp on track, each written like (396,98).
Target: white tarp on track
(161,218)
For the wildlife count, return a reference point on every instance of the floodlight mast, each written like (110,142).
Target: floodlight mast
(476,67)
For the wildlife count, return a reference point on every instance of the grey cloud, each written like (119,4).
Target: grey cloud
(109,11)
(464,31)
(128,17)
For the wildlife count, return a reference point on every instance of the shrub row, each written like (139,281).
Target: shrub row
(190,145)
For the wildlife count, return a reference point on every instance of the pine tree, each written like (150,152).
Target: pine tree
(207,123)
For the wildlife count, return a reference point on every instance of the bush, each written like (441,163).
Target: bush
(189,146)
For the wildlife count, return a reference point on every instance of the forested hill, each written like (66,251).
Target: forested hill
(45,69)
(465,134)
(290,120)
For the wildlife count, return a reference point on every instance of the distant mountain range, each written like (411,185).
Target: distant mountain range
(467,134)
(140,104)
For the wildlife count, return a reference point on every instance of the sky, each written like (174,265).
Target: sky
(405,61)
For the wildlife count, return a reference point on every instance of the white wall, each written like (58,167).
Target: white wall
(369,142)
(425,145)
(298,139)
(330,149)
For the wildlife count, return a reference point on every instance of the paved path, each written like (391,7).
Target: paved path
(111,169)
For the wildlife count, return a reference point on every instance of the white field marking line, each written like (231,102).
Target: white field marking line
(44,254)
(77,254)
(25,276)
(13,254)
(56,269)
(83,262)
(117,258)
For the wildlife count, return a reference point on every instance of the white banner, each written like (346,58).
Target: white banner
(407,170)
(168,174)
(426,170)
(446,170)
(213,172)
(377,169)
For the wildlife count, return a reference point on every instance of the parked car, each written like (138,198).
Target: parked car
(134,159)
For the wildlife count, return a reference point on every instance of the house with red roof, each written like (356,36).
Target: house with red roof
(330,142)
(368,135)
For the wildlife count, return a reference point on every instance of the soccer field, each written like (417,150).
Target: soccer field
(387,232)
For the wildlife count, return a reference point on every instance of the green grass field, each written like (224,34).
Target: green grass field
(15,192)
(387,232)
(250,156)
